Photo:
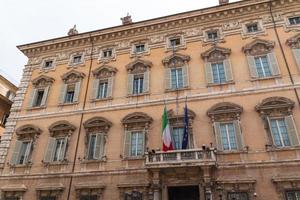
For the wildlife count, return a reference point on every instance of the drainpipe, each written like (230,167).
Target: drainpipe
(282,51)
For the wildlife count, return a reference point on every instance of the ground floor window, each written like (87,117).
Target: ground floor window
(134,196)
(293,195)
(48,198)
(238,196)
(88,197)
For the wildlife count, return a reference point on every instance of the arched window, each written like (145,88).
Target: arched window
(261,58)
(294,43)
(176,71)
(226,123)
(39,94)
(103,83)
(138,77)
(26,137)
(96,129)
(277,115)
(70,88)
(136,127)
(60,132)
(217,65)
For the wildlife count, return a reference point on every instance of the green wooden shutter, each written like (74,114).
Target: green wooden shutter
(292,130)
(98,147)
(49,155)
(146,83)
(95,89)
(89,146)
(127,144)
(270,130)
(185,76)
(238,134)
(62,94)
(296,53)
(130,84)
(209,73)
(32,97)
(110,82)
(218,136)
(168,81)
(144,142)
(252,66)
(64,149)
(228,70)
(15,156)
(77,91)
(273,64)
(45,96)
(27,153)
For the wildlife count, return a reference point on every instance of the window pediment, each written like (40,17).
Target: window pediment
(178,120)
(104,71)
(216,54)
(28,131)
(176,60)
(61,128)
(72,76)
(258,47)
(294,42)
(225,111)
(137,119)
(138,66)
(42,81)
(97,124)
(275,105)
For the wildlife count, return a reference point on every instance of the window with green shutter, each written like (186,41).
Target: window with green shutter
(40,92)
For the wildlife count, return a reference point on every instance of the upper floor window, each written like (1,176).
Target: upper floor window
(139,48)
(176,72)
(70,89)
(58,141)
(96,129)
(107,53)
(138,77)
(48,64)
(293,195)
(175,41)
(136,127)
(294,20)
(294,43)
(278,118)
(24,144)
(226,122)
(212,35)
(252,28)
(39,94)
(217,65)
(261,58)
(76,59)
(238,196)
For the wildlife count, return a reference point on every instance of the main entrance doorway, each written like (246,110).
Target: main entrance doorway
(183,193)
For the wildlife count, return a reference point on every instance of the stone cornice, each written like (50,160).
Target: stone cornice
(210,15)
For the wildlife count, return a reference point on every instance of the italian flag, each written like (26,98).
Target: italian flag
(166,133)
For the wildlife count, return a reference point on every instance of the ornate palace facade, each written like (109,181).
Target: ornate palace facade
(86,121)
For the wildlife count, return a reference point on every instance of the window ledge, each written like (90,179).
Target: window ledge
(176,48)
(231,152)
(65,162)
(134,158)
(81,64)
(93,161)
(265,78)
(36,108)
(46,70)
(179,89)
(68,104)
(274,148)
(103,99)
(220,84)
(138,95)
(28,165)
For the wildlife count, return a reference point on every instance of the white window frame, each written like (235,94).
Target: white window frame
(61,146)
(279,132)
(140,76)
(177,78)
(72,63)
(228,136)
(262,66)
(104,93)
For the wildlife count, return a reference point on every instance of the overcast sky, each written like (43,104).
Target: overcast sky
(29,21)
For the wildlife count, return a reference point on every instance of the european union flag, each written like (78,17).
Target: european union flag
(185,140)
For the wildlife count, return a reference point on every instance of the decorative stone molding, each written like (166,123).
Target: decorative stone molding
(102,58)
(138,66)
(176,119)
(104,71)
(81,63)
(225,186)
(61,128)
(258,47)
(137,119)
(294,41)
(291,27)
(219,39)
(176,60)
(42,81)
(72,76)
(50,190)
(43,68)
(89,189)
(97,124)
(28,131)
(284,184)
(215,54)
(133,52)
(179,36)
(139,191)
(13,191)
(225,111)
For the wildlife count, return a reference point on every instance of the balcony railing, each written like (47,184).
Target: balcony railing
(196,157)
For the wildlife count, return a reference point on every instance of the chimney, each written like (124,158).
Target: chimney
(223,2)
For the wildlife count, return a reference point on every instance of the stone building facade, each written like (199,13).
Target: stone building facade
(86,121)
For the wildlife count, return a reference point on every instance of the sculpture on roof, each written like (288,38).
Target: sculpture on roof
(73,31)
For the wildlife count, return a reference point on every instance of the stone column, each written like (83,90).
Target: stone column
(156,185)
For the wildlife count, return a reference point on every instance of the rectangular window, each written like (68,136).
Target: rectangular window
(237,196)
(48,64)
(88,197)
(177,78)
(177,136)
(92,147)
(218,73)
(175,42)
(293,195)
(48,198)
(251,28)
(294,20)
(212,35)
(69,97)
(24,153)
(138,83)
(77,59)
(59,151)
(137,144)
(102,89)
(280,132)
(262,66)
(107,53)
(139,48)
(228,136)
(38,98)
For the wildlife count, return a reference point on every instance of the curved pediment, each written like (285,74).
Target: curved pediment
(224,108)
(172,114)
(137,117)
(138,64)
(294,41)
(73,76)
(258,46)
(104,71)
(216,53)
(28,129)
(42,81)
(61,127)
(97,123)
(176,60)
(275,103)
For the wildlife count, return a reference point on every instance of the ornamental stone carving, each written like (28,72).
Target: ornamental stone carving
(294,42)
(61,128)
(177,119)
(215,54)
(258,47)
(176,60)
(225,111)
(138,66)
(28,131)
(42,81)
(97,124)
(104,71)
(136,120)
(72,76)
(231,25)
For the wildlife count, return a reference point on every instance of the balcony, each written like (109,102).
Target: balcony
(181,158)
